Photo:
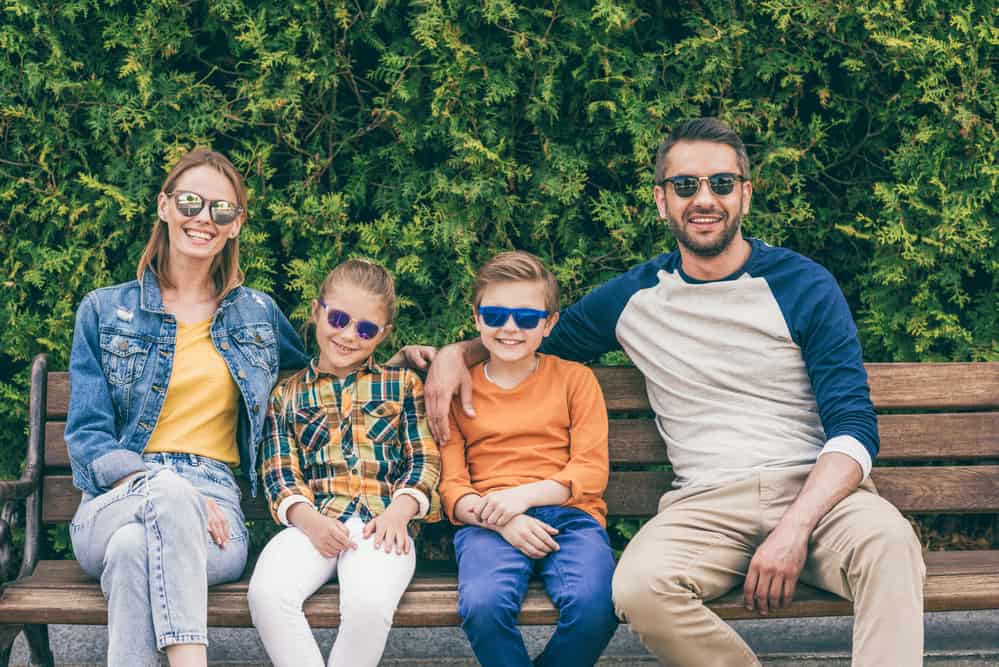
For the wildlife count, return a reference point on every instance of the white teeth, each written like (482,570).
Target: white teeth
(198,235)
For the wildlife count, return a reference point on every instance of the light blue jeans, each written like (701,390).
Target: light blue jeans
(147,541)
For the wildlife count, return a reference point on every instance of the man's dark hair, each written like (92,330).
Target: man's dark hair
(702,129)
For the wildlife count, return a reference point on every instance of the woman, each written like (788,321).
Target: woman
(169,381)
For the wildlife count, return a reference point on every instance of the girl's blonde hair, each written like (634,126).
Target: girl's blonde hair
(360,273)
(366,275)
(225,270)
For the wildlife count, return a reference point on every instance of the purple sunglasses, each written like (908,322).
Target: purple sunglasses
(338,319)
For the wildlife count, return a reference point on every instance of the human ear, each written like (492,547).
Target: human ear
(550,323)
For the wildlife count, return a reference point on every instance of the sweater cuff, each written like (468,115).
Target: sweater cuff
(418,496)
(286,503)
(847,444)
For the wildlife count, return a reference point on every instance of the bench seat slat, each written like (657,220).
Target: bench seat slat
(59,592)
(969,435)
(896,386)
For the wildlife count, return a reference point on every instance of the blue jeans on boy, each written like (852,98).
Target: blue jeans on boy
(147,540)
(492,583)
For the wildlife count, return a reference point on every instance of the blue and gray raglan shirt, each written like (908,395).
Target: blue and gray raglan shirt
(759,370)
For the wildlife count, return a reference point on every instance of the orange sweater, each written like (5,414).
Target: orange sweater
(553,425)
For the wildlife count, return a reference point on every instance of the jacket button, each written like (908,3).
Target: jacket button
(257,338)
(122,345)
(241,374)
(224,345)
(256,408)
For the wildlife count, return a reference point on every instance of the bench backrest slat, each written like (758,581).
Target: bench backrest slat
(901,386)
(967,435)
(949,435)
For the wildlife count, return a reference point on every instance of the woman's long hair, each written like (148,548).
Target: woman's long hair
(225,270)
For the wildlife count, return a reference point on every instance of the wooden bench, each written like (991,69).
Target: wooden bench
(940,457)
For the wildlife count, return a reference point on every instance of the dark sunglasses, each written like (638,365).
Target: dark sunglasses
(366,330)
(687,186)
(524,318)
(189,204)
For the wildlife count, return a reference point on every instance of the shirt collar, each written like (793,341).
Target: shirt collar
(312,373)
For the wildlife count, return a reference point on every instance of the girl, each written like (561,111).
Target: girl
(348,462)
(169,375)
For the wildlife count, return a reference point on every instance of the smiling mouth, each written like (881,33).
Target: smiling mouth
(343,349)
(507,341)
(199,235)
(704,219)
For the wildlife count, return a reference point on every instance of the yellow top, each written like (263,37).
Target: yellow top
(200,410)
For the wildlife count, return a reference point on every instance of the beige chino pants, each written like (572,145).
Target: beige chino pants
(698,547)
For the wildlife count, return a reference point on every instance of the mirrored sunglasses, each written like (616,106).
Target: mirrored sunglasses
(338,319)
(687,186)
(524,318)
(189,204)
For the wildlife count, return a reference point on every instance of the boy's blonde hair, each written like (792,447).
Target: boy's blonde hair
(516,266)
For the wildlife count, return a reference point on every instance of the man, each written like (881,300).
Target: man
(753,368)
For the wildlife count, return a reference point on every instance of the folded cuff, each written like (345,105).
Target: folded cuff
(847,444)
(114,465)
(418,496)
(282,510)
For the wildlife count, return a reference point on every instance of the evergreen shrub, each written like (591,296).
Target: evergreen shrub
(431,134)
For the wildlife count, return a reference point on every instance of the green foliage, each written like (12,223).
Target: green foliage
(431,134)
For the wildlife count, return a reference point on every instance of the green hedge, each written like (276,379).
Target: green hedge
(431,134)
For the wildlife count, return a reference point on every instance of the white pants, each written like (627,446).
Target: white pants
(290,570)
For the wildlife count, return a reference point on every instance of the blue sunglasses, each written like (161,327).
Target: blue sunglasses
(524,318)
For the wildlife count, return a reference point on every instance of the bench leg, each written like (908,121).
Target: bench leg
(38,642)
(8,633)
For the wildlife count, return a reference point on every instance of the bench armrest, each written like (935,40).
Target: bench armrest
(19,489)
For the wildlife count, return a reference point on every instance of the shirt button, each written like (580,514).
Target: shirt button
(241,374)
(224,345)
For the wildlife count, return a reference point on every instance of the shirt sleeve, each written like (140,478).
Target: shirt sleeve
(456,483)
(587,329)
(97,457)
(831,349)
(586,473)
(422,470)
(281,465)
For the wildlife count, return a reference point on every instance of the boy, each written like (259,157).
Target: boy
(525,478)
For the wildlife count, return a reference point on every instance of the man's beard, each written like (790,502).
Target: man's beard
(710,248)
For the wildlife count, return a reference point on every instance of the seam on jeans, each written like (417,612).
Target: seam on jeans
(151,525)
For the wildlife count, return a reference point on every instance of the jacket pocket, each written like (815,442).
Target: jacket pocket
(258,344)
(123,357)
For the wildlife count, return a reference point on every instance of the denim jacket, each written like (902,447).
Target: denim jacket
(121,362)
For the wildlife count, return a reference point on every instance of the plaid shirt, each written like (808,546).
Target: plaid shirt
(349,446)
